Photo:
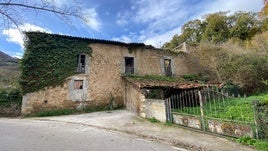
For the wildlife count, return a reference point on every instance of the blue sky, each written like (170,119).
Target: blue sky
(152,22)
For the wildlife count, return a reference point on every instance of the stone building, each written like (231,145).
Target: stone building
(99,78)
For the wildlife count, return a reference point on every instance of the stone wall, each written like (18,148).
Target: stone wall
(155,109)
(102,82)
(134,99)
(189,121)
(220,127)
(231,129)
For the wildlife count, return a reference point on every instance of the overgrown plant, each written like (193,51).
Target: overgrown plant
(10,97)
(49,59)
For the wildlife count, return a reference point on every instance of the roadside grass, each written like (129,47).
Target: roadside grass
(58,112)
(153,120)
(261,145)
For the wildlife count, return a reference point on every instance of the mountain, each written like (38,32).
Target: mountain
(5,59)
(9,70)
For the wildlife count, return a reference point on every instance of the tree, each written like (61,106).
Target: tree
(192,31)
(264,11)
(244,25)
(12,11)
(217,28)
(248,70)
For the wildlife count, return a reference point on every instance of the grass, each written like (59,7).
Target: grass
(261,145)
(58,112)
(54,112)
(153,120)
(154,77)
(240,109)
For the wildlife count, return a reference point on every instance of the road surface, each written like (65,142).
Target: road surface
(36,135)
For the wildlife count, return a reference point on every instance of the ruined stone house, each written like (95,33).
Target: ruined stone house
(99,79)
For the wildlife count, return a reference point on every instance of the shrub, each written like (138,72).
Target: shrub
(9,97)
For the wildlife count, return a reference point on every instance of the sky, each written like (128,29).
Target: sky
(152,22)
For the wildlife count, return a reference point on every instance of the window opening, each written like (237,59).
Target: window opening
(129,65)
(167,67)
(81,60)
(78,84)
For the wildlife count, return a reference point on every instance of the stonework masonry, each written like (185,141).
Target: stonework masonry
(102,83)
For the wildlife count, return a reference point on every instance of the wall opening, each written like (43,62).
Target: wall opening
(78,84)
(129,65)
(167,67)
(81,63)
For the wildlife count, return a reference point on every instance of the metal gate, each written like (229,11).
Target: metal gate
(211,110)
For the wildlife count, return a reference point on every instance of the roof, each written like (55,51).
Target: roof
(101,41)
(154,83)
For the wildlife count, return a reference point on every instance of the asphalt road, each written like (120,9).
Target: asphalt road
(33,135)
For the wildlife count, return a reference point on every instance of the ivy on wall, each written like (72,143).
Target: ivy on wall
(49,59)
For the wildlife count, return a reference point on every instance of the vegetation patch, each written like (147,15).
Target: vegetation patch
(9,97)
(240,109)
(261,145)
(153,120)
(58,112)
(154,77)
(10,102)
(49,59)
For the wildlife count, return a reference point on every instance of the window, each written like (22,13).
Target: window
(81,63)
(78,84)
(167,67)
(129,65)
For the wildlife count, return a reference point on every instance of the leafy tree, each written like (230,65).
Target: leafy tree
(244,25)
(264,10)
(173,43)
(217,28)
(192,31)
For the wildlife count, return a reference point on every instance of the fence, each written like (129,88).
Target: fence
(213,110)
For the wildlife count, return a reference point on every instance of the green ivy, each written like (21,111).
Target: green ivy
(49,59)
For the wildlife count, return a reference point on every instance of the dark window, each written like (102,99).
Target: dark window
(129,65)
(167,67)
(81,63)
(78,84)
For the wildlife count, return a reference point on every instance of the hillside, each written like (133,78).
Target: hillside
(5,59)
(9,70)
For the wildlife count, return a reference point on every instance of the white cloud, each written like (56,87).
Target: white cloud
(234,5)
(121,22)
(124,38)
(158,14)
(18,55)
(122,18)
(90,16)
(159,40)
(60,3)
(16,36)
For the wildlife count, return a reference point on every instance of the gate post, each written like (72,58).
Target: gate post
(168,110)
(256,118)
(201,110)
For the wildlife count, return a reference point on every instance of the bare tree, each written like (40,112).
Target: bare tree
(12,11)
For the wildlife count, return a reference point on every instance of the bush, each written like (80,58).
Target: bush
(9,97)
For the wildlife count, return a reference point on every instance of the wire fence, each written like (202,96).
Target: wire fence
(213,104)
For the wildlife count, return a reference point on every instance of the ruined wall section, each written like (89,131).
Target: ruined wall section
(102,82)
(105,84)
(134,99)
